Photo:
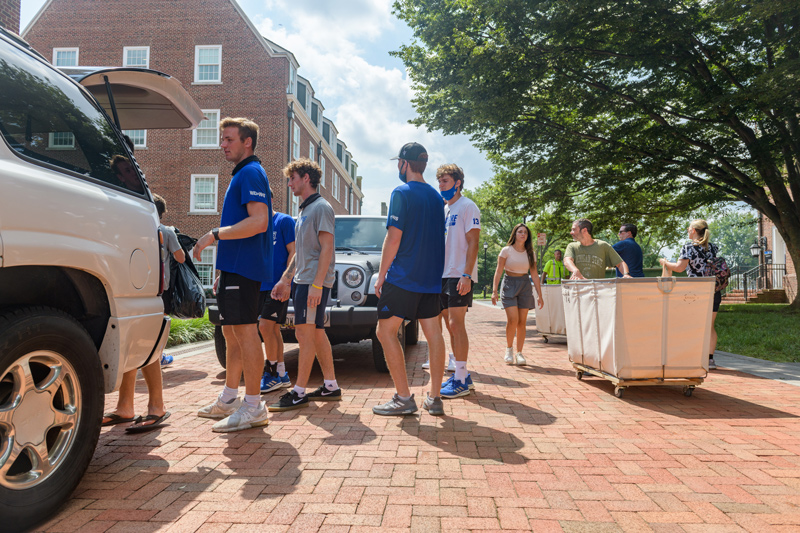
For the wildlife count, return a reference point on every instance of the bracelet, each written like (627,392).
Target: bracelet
(320,288)
(466,276)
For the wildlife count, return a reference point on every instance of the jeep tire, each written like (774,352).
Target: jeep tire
(51,407)
(412,333)
(219,345)
(377,349)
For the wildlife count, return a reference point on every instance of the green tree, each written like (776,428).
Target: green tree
(637,108)
(734,233)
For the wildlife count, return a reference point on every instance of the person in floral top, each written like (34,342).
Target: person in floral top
(693,258)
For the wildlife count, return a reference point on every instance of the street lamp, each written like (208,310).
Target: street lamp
(485,248)
(759,245)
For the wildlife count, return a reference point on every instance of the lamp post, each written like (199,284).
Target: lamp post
(485,248)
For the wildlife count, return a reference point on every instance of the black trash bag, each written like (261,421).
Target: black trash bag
(188,296)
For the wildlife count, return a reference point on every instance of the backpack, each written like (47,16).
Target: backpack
(718,268)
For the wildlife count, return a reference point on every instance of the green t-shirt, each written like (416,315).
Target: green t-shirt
(593,260)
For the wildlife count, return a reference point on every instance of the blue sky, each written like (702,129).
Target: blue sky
(343,50)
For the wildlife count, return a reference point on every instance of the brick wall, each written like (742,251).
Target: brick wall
(253,85)
(9,14)
(790,280)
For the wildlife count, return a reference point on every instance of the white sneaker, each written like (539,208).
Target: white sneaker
(245,417)
(519,359)
(427,363)
(509,358)
(219,409)
(451,365)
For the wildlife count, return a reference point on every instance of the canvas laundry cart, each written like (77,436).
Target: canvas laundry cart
(643,331)
(550,319)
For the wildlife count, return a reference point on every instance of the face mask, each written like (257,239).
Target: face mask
(448,194)
(402,176)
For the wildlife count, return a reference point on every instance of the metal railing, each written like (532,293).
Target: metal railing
(757,279)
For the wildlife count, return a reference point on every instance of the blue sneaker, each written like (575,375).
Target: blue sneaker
(270,382)
(470,384)
(167,360)
(286,383)
(454,389)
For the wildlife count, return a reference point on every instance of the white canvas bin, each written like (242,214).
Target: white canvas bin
(550,319)
(656,328)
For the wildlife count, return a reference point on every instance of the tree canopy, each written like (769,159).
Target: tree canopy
(635,109)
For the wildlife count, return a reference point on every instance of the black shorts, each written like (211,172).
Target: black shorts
(300,300)
(717,300)
(274,310)
(451,298)
(395,301)
(237,299)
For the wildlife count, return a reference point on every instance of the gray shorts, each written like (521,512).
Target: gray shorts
(517,292)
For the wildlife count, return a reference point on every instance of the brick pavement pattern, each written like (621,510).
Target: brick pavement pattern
(532,449)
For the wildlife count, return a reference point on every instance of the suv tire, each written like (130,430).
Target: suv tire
(219,346)
(50,378)
(377,349)
(412,333)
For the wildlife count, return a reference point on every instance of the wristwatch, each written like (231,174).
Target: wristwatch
(215,233)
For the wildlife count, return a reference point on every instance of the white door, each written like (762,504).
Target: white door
(778,258)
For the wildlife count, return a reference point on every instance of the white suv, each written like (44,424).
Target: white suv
(80,274)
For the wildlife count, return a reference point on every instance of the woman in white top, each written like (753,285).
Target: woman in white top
(518,261)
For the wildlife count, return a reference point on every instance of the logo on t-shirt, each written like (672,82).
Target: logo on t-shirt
(451,220)
(257,193)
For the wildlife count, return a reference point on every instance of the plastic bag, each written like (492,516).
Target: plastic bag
(188,296)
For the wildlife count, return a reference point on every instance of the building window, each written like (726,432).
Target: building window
(296,142)
(204,193)
(353,168)
(208,64)
(136,56)
(301,94)
(322,168)
(347,162)
(347,196)
(340,152)
(205,267)
(65,57)
(61,140)
(206,135)
(335,186)
(311,151)
(292,79)
(326,132)
(315,114)
(139,137)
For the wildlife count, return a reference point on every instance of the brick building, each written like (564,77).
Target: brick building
(230,69)
(776,248)
(9,14)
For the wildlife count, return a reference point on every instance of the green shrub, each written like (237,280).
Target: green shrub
(190,330)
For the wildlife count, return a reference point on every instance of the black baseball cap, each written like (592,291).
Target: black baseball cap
(413,152)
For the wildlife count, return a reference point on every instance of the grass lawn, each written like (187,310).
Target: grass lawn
(766,331)
(190,330)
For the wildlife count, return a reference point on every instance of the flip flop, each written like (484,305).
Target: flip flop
(139,425)
(115,419)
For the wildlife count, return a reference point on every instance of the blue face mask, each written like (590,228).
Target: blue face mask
(402,176)
(448,194)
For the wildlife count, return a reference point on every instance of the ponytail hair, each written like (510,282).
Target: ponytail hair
(700,227)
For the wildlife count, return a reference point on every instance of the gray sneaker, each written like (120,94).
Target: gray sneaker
(434,405)
(219,409)
(245,417)
(396,407)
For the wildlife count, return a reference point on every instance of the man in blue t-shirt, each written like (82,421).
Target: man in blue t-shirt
(244,259)
(630,251)
(410,279)
(273,312)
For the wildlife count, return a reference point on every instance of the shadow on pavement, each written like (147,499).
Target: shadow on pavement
(345,429)
(175,378)
(523,413)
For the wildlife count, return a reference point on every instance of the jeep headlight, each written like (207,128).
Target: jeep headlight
(353,277)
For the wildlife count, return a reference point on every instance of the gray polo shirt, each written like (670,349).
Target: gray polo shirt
(316,217)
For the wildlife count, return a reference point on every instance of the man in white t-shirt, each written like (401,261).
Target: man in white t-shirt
(462,233)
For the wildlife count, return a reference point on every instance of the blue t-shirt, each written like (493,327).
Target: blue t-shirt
(630,252)
(282,234)
(250,257)
(417,209)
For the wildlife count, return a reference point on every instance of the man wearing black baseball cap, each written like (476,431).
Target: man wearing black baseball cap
(410,279)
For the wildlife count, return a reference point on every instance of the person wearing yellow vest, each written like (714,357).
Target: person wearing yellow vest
(554,270)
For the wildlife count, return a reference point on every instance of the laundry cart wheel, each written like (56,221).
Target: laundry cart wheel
(579,375)
(619,391)
(687,391)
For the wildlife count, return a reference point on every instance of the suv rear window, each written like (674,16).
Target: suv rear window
(362,234)
(47,118)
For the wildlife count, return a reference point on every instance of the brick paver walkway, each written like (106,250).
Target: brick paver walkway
(532,449)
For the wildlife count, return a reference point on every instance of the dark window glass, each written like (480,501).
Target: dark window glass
(339,151)
(326,132)
(301,94)
(314,113)
(360,233)
(45,117)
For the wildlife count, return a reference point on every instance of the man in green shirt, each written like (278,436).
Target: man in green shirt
(588,258)
(554,270)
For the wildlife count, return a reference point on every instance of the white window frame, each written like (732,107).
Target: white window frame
(193,209)
(295,205)
(126,49)
(77,56)
(296,141)
(335,187)
(216,128)
(213,250)
(197,65)
(322,168)
(51,141)
(140,146)
(291,89)
(311,150)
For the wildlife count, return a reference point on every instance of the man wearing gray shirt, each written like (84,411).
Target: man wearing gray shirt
(314,266)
